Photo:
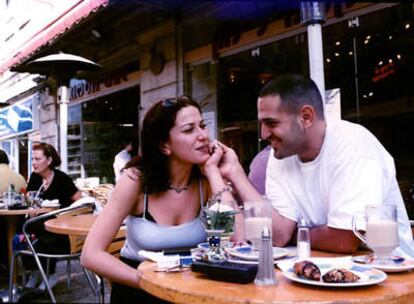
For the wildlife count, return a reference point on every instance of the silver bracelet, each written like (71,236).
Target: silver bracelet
(216,198)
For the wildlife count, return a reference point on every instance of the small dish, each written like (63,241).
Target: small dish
(400,264)
(203,246)
(247,253)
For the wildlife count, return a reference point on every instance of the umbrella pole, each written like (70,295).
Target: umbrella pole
(63,126)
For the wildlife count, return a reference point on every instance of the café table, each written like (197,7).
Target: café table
(13,219)
(191,287)
(75,225)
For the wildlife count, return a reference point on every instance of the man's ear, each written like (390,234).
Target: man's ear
(165,149)
(307,116)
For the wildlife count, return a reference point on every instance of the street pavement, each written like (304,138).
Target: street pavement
(80,291)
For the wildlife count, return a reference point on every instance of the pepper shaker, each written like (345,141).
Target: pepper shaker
(266,269)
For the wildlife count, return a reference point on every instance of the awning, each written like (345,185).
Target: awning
(75,14)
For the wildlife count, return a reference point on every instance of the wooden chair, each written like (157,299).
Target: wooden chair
(75,249)
(114,248)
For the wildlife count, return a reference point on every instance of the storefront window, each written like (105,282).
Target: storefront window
(371,64)
(241,78)
(96,130)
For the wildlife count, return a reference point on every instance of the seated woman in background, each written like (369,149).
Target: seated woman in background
(51,184)
(161,193)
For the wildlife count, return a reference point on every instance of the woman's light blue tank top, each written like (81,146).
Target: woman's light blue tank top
(143,234)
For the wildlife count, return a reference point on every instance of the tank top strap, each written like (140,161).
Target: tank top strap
(145,206)
(201,192)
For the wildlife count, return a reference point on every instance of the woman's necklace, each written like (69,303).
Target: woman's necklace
(179,189)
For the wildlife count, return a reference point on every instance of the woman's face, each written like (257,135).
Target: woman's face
(188,140)
(40,162)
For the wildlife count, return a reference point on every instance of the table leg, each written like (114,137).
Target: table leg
(12,223)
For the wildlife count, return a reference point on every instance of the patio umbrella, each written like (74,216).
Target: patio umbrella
(62,67)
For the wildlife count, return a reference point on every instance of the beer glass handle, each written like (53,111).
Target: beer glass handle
(354,227)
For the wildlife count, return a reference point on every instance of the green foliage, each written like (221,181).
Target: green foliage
(217,220)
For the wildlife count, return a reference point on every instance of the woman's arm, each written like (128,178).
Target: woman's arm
(218,186)
(123,200)
(76,196)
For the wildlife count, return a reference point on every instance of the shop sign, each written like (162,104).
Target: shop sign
(82,88)
(17,118)
(383,72)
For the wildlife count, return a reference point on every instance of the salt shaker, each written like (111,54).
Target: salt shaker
(303,240)
(266,269)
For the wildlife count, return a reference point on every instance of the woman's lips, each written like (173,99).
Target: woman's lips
(204,149)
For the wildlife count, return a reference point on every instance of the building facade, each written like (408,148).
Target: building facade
(221,53)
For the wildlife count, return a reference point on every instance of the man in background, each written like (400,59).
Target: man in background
(9,176)
(122,158)
(257,172)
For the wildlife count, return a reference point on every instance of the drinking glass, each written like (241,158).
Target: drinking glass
(8,198)
(257,215)
(33,199)
(381,231)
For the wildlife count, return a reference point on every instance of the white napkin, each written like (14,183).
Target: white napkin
(50,203)
(340,262)
(88,200)
(150,255)
(164,262)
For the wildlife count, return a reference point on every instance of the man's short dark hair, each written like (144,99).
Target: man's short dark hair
(4,159)
(295,91)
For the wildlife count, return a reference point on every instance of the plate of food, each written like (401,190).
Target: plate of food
(331,273)
(398,263)
(247,253)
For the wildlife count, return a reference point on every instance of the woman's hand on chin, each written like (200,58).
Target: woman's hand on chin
(211,165)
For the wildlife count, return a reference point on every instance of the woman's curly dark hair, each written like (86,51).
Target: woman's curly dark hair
(157,123)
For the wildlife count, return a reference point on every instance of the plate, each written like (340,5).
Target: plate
(368,276)
(245,262)
(246,253)
(203,246)
(400,264)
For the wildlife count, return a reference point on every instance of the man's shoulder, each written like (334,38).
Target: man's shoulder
(345,132)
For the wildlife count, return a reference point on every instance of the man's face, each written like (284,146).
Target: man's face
(129,147)
(282,129)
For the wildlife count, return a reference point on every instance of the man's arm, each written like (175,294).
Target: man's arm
(335,240)
(282,227)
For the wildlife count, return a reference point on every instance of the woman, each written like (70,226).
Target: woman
(51,184)
(161,192)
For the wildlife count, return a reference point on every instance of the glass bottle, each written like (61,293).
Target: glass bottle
(266,269)
(303,240)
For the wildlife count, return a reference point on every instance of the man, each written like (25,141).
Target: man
(9,176)
(121,159)
(322,173)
